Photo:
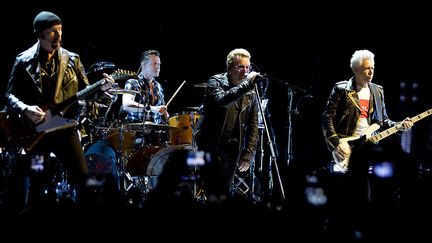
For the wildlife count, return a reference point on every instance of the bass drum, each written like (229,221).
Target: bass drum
(178,169)
(137,164)
(101,159)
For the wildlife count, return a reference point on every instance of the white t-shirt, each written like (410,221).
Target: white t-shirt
(364,97)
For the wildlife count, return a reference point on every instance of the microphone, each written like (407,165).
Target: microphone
(147,107)
(113,97)
(147,111)
(255,68)
(81,102)
(261,76)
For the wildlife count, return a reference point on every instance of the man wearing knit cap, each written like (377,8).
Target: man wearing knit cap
(47,20)
(44,20)
(44,76)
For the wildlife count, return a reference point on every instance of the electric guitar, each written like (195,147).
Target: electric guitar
(370,136)
(23,132)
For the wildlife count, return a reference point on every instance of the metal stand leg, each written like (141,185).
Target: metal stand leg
(271,147)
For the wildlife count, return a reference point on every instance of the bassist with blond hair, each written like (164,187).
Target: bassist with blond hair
(354,109)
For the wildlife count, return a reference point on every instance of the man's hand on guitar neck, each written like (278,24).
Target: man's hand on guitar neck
(109,82)
(34,113)
(406,124)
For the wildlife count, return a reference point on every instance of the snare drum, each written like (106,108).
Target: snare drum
(182,127)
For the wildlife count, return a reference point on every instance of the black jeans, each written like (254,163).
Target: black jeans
(219,172)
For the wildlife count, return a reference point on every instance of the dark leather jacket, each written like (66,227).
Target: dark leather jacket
(221,108)
(25,86)
(342,111)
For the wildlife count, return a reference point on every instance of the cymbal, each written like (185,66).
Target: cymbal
(107,128)
(139,125)
(200,85)
(122,91)
(149,123)
(193,108)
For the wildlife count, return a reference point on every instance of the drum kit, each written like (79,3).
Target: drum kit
(134,153)
(131,152)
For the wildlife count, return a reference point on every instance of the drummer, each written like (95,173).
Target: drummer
(149,104)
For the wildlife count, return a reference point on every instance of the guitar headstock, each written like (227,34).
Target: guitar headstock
(123,74)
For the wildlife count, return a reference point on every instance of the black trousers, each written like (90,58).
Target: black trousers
(33,182)
(219,171)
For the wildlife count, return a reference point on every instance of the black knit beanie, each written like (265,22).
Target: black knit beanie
(45,20)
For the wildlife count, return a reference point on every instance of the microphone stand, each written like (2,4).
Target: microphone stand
(270,141)
(291,89)
(289,153)
(113,98)
(145,116)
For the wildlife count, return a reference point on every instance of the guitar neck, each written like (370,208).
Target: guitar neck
(90,89)
(120,73)
(60,108)
(63,106)
(394,129)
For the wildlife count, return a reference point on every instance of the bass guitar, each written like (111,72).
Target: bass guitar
(370,136)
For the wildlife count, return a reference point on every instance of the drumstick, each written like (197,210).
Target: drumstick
(175,93)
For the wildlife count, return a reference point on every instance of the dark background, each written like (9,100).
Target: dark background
(307,45)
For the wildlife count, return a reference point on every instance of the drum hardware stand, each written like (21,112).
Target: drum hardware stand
(128,182)
(113,98)
(197,190)
(125,180)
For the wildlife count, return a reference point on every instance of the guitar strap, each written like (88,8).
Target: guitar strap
(377,101)
(64,61)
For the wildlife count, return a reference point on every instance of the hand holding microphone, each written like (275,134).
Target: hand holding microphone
(254,76)
(261,76)
(250,79)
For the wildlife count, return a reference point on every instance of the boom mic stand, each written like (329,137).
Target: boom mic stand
(291,89)
(289,153)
